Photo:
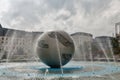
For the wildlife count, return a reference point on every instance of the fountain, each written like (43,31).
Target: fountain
(57,66)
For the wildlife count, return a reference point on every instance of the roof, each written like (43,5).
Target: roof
(82,33)
(104,37)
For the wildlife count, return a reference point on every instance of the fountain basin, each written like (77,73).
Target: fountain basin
(39,70)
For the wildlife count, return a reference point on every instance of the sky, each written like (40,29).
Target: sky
(97,17)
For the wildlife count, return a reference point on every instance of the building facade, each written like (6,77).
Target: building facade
(17,44)
(105,47)
(83,45)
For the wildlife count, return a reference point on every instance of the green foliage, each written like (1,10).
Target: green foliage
(115,45)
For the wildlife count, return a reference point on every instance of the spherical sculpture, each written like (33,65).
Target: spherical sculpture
(55,48)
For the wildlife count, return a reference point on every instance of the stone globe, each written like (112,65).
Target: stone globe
(55,48)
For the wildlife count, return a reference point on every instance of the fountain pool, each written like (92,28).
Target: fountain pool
(73,70)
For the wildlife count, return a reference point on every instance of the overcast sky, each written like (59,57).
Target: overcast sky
(93,16)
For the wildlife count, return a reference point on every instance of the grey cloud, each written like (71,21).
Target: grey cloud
(27,10)
(93,6)
(56,4)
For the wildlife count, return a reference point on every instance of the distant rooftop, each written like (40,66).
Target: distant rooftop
(82,33)
(19,33)
(104,37)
